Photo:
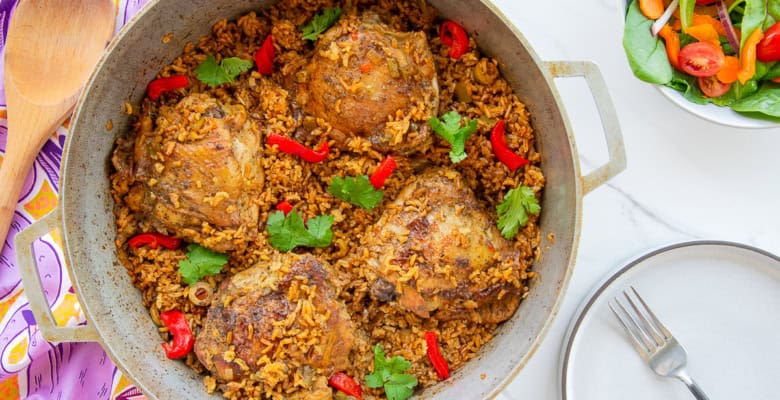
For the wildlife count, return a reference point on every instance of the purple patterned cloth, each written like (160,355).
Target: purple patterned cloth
(31,367)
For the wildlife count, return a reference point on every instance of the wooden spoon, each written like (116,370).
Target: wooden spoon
(51,47)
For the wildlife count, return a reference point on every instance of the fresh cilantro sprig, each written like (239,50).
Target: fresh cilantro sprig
(356,190)
(450,129)
(288,232)
(200,262)
(213,74)
(389,374)
(320,23)
(513,211)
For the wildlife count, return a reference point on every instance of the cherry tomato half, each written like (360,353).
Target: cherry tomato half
(701,59)
(712,87)
(768,49)
(705,2)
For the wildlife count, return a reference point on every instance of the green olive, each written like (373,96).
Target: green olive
(485,72)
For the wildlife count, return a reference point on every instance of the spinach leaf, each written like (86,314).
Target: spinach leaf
(737,12)
(646,54)
(774,9)
(686,39)
(686,13)
(726,46)
(762,69)
(765,101)
(737,92)
(769,21)
(755,14)
(688,86)
(773,71)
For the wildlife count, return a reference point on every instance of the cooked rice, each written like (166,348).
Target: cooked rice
(155,271)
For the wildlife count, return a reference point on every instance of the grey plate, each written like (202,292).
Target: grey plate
(719,299)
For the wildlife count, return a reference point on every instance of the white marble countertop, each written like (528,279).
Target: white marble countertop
(686,179)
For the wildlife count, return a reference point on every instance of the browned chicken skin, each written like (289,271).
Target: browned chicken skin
(287,296)
(369,80)
(438,253)
(198,163)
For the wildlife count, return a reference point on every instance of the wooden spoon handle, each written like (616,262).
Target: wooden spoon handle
(26,135)
(12,178)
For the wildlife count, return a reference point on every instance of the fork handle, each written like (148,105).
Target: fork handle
(692,386)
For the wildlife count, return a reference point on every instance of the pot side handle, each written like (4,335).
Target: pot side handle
(609,119)
(33,288)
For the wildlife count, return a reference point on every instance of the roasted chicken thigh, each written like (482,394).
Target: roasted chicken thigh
(437,253)
(195,164)
(254,313)
(368,80)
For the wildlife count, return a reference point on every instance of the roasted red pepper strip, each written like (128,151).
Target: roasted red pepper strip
(154,240)
(284,207)
(502,151)
(383,171)
(264,57)
(159,86)
(343,383)
(178,326)
(289,146)
(439,363)
(454,36)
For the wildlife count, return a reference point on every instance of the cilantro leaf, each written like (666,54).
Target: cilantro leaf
(400,388)
(200,262)
(389,374)
(513,211)
(213,74)
(375,380)
(320,23)
(358,191)
(288,232)
(234,66)
(450,129)
(210,73)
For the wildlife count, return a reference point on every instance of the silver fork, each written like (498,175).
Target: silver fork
(654,343)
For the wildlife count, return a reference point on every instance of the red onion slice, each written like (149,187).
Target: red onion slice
(725,19)
(660,22)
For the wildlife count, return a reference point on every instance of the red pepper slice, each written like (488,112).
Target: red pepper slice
(502,151)
(177,324)
(454,36)
(159,86)
(383,171)
(284,207)
(343,383)
(264,57)
(289,146)
(439,363)
(154,240)
(366,67)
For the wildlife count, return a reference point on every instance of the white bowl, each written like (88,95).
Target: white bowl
(719,115)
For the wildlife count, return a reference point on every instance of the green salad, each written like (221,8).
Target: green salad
(723,52)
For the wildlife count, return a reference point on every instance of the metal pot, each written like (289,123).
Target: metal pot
(115,315)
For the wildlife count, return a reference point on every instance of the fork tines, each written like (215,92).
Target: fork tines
(646,331)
